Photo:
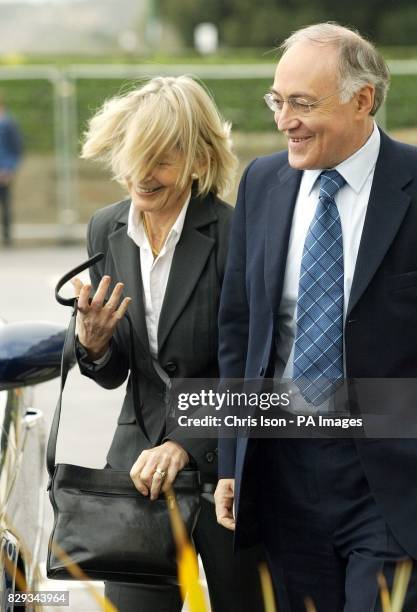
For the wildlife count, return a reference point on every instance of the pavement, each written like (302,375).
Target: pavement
(28,277)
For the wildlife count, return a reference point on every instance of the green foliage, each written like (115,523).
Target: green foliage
(31,103)
(392,23)
(260,24)
(266,23)
(241,102)
(402,102)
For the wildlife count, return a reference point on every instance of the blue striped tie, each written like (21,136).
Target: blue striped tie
(318,350)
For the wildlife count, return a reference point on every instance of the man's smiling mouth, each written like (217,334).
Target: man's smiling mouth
(293,139)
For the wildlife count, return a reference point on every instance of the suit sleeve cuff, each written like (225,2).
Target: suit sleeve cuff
(85,361)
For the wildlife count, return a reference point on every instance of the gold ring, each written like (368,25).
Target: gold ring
(162,473)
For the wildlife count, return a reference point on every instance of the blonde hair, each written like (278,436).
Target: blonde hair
(360,63)
(131,133)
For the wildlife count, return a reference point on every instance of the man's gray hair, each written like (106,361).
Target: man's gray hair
(360,63)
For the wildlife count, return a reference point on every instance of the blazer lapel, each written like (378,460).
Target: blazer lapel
(281,203)
(387,206)
(126,258)
(191,254)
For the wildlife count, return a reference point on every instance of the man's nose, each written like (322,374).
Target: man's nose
(286,119)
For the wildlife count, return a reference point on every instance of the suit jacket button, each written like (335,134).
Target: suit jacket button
(170,367)
(210,457)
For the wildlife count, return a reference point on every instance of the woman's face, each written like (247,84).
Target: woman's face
(159,192)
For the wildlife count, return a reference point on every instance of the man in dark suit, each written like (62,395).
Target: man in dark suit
(321,285)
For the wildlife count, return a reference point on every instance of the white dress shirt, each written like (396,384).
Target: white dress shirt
(352,202)
(155,271)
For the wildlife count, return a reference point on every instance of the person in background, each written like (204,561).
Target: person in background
(11,148)
(321,285)
(165,250)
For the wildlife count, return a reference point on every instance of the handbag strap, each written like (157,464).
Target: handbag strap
(69,275)
(68,357)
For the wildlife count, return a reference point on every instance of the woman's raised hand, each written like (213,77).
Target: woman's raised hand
(97,320)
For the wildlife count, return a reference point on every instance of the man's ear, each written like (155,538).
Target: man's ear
(365,98)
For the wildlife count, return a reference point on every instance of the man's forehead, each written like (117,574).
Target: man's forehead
(305,68)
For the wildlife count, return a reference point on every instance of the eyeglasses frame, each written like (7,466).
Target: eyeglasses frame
(309,105)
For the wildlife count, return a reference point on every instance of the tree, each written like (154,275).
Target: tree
(264,23)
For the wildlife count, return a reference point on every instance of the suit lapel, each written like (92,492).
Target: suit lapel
(190,257)
(281,202)
(387,206)
(126,258)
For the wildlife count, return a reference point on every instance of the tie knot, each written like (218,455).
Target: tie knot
(330,183)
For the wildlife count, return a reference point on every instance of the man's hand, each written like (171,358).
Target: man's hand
(224,497)
(96,321)
(156,468)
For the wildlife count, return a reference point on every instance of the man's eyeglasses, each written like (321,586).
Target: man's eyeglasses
(298,105)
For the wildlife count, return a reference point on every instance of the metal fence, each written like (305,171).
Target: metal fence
(65,120)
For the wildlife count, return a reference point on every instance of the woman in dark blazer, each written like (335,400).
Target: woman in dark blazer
(165,250)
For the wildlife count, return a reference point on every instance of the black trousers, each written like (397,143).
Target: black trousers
(323,532)
(5,203)
(233,580)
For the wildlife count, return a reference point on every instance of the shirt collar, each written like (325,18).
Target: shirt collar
(136,231)
(356,168)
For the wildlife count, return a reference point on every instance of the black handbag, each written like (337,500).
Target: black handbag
(101,522)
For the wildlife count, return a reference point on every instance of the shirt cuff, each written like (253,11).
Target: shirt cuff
(82,355)
(104,359)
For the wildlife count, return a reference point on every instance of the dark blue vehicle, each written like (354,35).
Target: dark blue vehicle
(30,353)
